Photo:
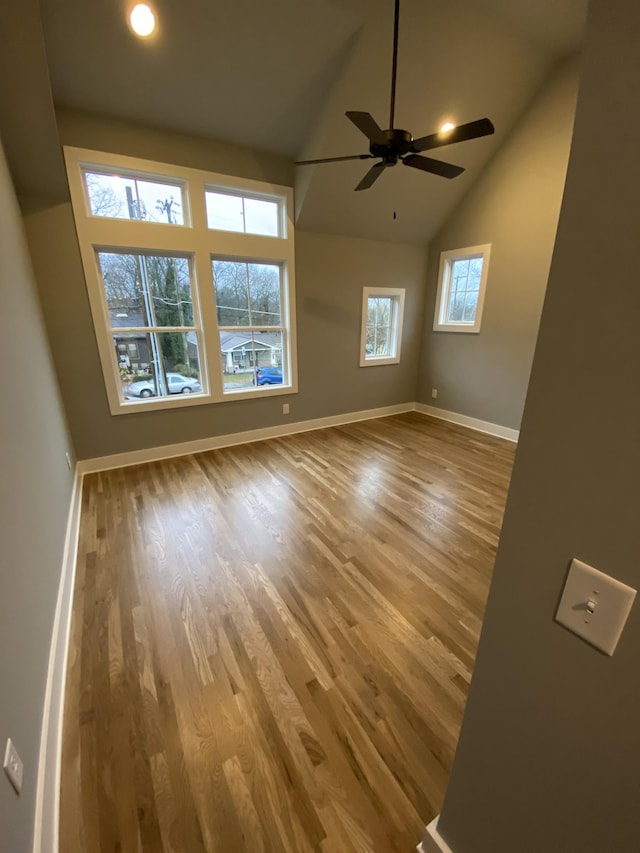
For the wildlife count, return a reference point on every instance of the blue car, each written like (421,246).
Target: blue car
(269,376)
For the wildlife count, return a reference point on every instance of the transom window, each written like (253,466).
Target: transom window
(232,212)
(194,313)
(121,196)
(461,286)
(381,336)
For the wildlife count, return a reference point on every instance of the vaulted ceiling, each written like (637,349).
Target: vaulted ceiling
(278,76)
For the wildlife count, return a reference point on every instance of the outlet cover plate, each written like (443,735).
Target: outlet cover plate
(12,766)
(588,589)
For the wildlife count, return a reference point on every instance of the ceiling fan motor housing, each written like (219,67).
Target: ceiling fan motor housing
(398,143)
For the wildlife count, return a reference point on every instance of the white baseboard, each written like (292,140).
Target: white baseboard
(472,423)
(46,825)
(154,454)
(433,842)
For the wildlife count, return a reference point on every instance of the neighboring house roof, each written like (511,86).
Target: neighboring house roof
(126,318)
(261,340)
(229,341)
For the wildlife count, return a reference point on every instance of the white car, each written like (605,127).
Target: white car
(178,384)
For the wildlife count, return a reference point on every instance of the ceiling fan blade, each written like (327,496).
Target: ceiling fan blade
(371,177)
(333,159)
(367,124)
(472,130)
(436,167)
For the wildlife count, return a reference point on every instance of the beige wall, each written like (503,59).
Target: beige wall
(514,206)
(330,274)
(122,137)
(550,747)
(35,491)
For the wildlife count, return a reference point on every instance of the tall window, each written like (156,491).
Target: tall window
(151,317)
(381,336)
(190,279)
(462,280)
(248,305)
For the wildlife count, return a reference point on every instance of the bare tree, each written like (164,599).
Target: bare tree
(104,201)
(247,294)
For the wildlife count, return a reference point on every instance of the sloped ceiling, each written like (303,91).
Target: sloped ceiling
(278,76)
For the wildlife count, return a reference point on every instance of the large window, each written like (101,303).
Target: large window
(190,278)
(461,285)
(381,335)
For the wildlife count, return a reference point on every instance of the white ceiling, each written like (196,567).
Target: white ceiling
(278,76)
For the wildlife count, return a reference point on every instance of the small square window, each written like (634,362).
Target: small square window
(381,334)
(461,285)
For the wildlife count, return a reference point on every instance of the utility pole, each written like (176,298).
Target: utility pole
(158,367)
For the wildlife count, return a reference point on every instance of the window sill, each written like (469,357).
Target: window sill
(181,401)
(375,362)
(457,327)
(264,391)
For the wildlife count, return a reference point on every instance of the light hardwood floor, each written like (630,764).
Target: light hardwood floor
(271,644)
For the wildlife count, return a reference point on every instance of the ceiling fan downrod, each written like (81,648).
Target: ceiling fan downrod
(394,63)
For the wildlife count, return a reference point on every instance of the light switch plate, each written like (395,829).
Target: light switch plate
(12,766)
(595,606)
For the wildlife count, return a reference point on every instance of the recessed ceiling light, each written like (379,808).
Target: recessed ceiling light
(446,127)
(142,19)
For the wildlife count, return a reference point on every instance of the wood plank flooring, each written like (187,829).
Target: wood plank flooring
(271,644)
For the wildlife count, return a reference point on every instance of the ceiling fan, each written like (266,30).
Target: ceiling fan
(395,144)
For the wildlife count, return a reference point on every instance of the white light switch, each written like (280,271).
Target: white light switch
(12,766)
(595,606)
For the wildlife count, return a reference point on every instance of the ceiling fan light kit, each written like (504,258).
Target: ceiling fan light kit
(393,145)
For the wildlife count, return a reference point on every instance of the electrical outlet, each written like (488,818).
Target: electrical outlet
(434,393)
(68,458)
(285,408)
(13,766)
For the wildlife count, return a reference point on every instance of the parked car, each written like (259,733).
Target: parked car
(269,376)
(178,384)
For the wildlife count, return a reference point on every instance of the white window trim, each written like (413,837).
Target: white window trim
(440,324)
(196,240)
(396,294)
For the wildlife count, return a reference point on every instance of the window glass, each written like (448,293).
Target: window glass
(165,363)
(146,290)
(261,217)
(382,316)
(464,289)
(461,286)
(251,359)
(126,197)
(379,326)
(230,212)
(247,294)
(248,306)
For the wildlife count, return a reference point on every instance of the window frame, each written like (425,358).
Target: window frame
(397,296)
(256,328)
(447,259)
(194,240)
